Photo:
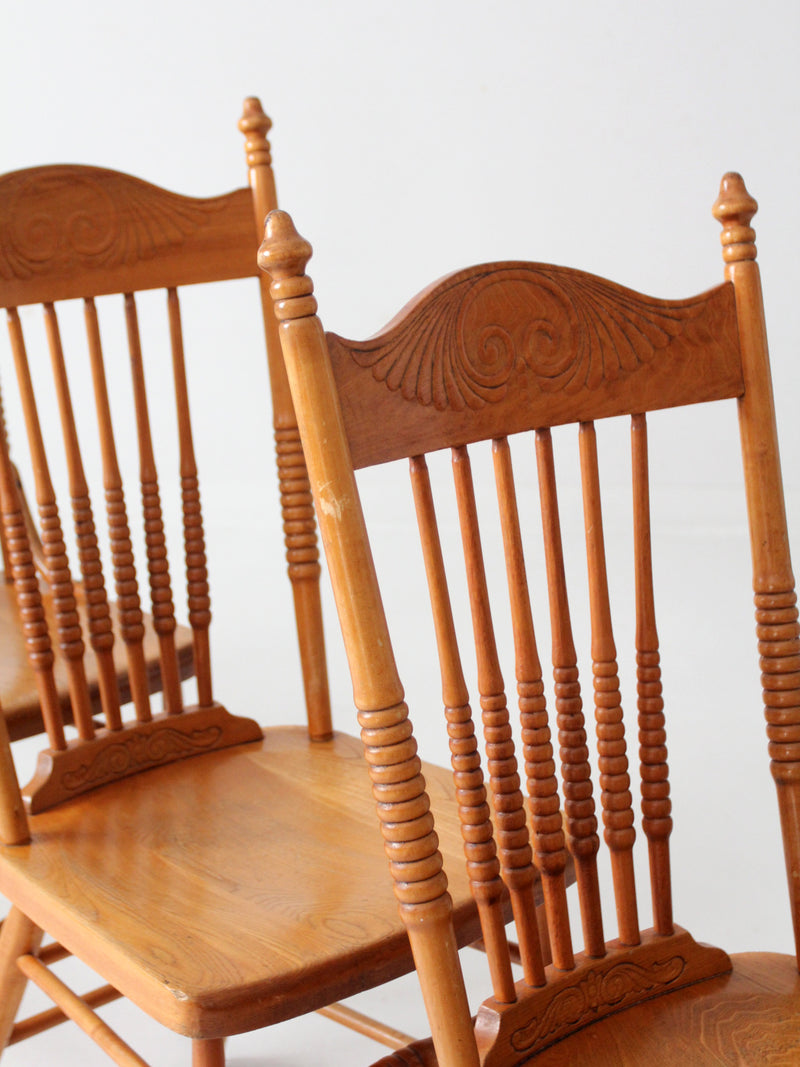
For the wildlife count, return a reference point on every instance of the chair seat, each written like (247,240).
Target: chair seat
(238,919)
(18,694)
(749,1017)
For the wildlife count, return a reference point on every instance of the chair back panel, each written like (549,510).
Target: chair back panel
(74,231)
(485,354)
(71,232)
(506,347)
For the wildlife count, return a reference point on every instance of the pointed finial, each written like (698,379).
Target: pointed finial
(283,255)
(734,209)
(255,124)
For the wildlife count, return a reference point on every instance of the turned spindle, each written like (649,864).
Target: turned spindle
(297,508)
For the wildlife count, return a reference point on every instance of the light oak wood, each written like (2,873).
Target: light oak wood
(77,1010)
(19,697)
(391,752)
(46,1020)
(773,580)
(578,795)
(237,934)
(479,847)
(108,233)
(487,352)
(208,1053)
(363,1024)
(516,857)
(572,362)
(239,881)
(540,767)
(721,1020)
(299,527)
(19,936)
(654,772)
(747,1017)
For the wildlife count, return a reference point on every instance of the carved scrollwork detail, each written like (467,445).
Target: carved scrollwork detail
(597,992)
(464,341)
(138,751)
(60,217)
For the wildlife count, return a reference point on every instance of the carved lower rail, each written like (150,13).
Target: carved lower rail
(62,775)
(512,1033)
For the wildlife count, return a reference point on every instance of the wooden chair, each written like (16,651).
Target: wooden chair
(29,196)
(235,884)
(515,348)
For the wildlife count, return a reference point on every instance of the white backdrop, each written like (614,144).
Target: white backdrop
(414,138)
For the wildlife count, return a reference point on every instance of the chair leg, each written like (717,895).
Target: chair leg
(18,937)
(208,1052)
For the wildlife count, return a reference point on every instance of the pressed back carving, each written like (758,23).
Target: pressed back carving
(75,231)
(506,347)
(515,349)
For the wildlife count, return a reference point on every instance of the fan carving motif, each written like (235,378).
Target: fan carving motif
(465,342)
(92,225)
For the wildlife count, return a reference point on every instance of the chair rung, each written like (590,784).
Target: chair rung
(365,1025)
(80,1012)
(46,1020)
(53,953)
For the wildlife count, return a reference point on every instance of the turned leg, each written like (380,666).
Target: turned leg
(208,1052)
(19,936)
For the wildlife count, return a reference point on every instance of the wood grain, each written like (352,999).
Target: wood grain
(108,232)
(527,346)
(68,232)
(480,849)
(299,526)
(748,1017)
(228,944)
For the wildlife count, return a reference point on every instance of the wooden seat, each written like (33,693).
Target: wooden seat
(175,893)
(516,349)
(236,882)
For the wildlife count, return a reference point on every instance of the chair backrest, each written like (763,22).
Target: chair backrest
(512,348)
(83,233)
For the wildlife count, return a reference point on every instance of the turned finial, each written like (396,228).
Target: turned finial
(734,209)
(255,124)
(283,255)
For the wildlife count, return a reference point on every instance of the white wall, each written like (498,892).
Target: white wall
(414,138)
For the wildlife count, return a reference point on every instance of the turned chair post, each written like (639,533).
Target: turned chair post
(390,748)
(773,581)
(299,527)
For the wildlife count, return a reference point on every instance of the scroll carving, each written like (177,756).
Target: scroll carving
(464,342)
(597,992)
(77,217)
(513,1033)
(137,751)
(109,756)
